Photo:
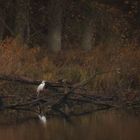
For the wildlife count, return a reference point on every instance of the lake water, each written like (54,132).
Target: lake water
(108,125)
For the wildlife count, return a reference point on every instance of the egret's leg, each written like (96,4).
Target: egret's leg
(38,94)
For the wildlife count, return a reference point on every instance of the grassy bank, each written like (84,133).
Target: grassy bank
(122,64)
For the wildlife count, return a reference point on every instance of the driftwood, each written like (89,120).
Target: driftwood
(65,99)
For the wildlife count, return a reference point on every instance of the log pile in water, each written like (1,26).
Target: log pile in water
(63,99)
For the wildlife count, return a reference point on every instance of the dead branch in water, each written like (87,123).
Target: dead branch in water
(64,99)
(20,79)
(29,81)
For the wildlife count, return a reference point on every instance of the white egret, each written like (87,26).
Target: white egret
(42,119)
(41,87)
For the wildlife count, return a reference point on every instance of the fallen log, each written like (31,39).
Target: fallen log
(58,84)
(69,95)
(20,79)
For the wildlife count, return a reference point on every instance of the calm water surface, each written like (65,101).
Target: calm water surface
(110,125)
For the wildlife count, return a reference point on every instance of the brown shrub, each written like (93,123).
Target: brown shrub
(122,64)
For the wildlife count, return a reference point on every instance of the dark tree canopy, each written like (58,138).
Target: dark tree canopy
(59,21)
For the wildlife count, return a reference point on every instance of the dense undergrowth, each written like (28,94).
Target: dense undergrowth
(121,64)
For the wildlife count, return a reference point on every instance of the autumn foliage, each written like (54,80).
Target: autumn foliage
(120,63)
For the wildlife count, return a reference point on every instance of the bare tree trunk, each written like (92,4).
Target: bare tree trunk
(28,22)
(55,25)
(88,39)
(22,20)
(87,36)
(1,24)
(1,31)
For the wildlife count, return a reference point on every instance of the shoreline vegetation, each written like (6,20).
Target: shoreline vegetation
(74,65)
(116,84)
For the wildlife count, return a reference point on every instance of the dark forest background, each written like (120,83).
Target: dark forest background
(58,24)
(72,39)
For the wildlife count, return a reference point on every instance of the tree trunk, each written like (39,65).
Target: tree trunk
(22,20)
(1,31)
(1,24)
(87,36)
(54,25)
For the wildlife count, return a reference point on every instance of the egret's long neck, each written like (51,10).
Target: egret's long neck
(43,83)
